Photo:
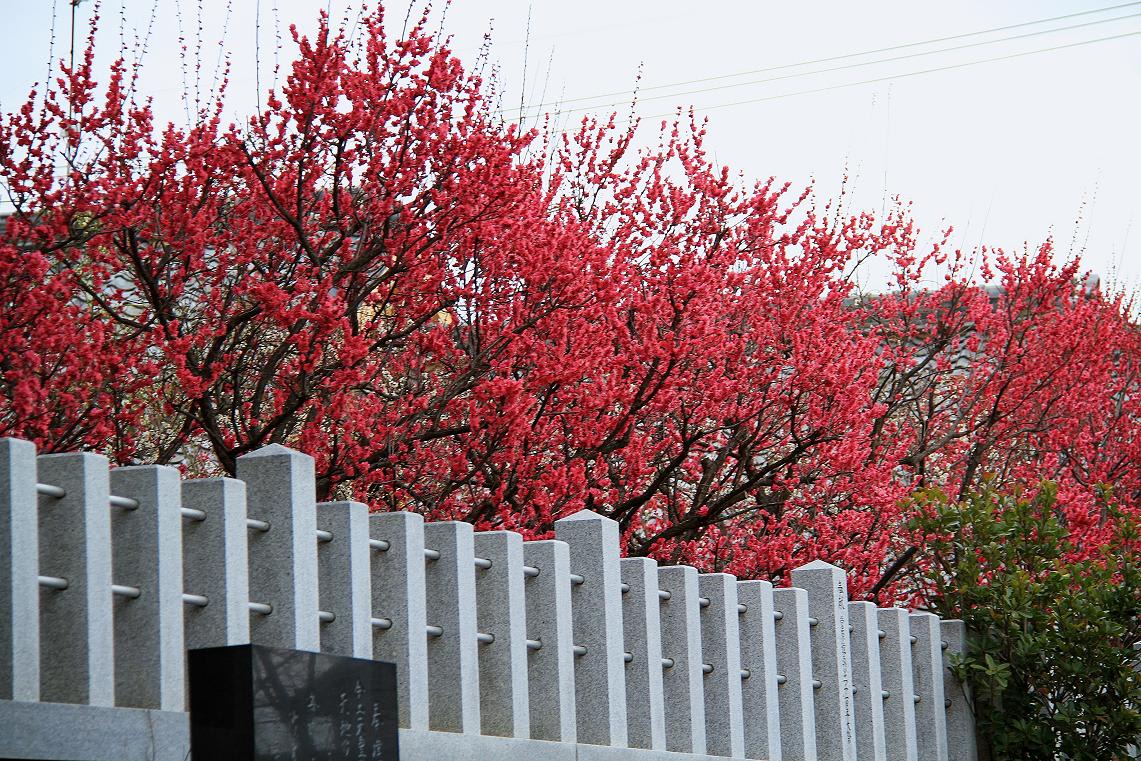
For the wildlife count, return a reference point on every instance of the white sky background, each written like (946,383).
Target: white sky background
(1007,152)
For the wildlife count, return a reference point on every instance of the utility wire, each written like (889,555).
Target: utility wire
(830,69)
(891,48)
(904,75)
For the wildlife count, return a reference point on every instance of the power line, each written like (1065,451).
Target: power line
(856,55)
(888,49)
(856,65)
(909,73)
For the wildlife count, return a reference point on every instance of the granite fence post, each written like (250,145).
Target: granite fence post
(927,664)
(501,610)
(683,677)
(345,587)
(960,705)
(281,492)
(759,658)
(550,665)
(721,649)
(794,666)
(453,658)
(831,659)
(19,569)
(867,685)
(77,660)
(215,562)
(898,685)
(641,622)
(596,604)
(147,556)
(399,608)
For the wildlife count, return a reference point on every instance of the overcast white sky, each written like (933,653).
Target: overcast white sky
(1007,151)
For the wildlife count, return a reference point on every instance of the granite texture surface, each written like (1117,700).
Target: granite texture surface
(398,596)
(77,659)
(896,676)
(867,684)
(645,696)
(760,699)
(794,665)
(721,650)
(600,673)
(681,646)
(147,554)
(134,734)
(19,566)
(827,589)
(550,669)
(345,583)
(927,667)
(501,612)
(960,704)
(216,562)
(453,656)
(280,489)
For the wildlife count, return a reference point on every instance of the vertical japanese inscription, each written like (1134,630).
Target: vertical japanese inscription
(252,703)
(844,645)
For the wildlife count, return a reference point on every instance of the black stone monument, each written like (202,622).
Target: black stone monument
(254,703)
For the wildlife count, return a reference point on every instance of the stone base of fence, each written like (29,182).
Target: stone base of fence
(49,731)
(91,733)
(417,745)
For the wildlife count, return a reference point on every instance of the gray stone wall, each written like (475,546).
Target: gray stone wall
(506,649)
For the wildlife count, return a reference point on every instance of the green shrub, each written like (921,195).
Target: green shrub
(1053,657)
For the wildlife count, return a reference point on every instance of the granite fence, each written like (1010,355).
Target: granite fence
(505,649)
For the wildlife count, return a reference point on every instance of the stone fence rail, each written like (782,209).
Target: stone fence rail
(505,649)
